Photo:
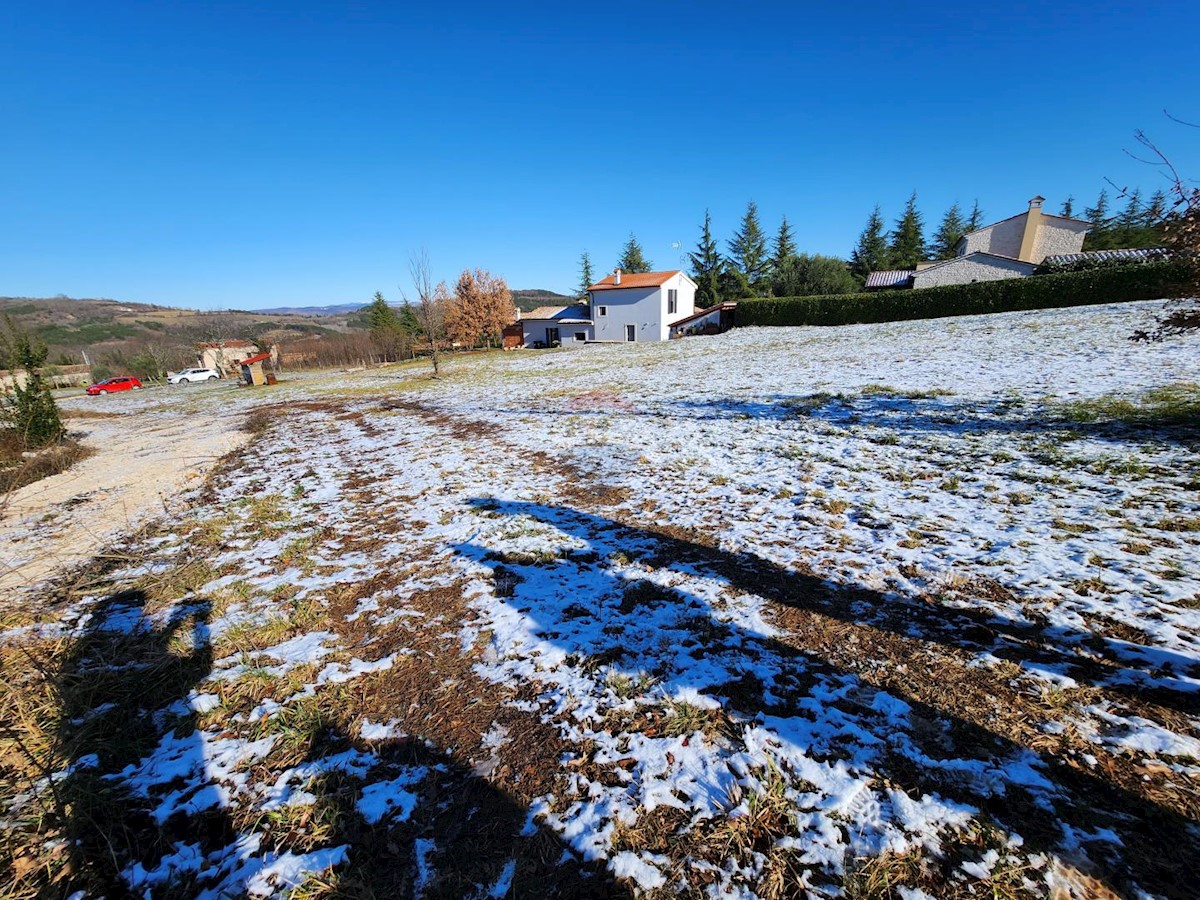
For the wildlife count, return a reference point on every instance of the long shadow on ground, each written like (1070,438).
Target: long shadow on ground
(123,689)
(591,614)
(934,415)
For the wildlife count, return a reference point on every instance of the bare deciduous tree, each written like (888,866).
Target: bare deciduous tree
(1181,233)
(429,306)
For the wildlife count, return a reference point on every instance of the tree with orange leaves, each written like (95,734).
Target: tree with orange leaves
(482,306)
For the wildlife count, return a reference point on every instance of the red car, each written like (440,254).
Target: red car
(112,385)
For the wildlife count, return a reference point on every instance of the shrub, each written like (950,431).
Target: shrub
(29,409)
(1127,283)
(805,275)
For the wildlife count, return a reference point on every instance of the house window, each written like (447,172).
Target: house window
(672,301)
(580,336)
(602,310)
(631,332)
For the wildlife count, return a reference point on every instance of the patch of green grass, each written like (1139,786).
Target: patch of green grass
(806,406)
(626,687)
(1172,405)
(951,484)
(1118,465)
(254,635)
(886,390)
(298,726)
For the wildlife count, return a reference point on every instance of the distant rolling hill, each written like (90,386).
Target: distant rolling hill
(531,299)
(524,300)
(116,330)
(71,327)
(339,309)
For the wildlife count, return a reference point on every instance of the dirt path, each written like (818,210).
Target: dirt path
(143,458)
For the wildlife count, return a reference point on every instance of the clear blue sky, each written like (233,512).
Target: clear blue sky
(251,154)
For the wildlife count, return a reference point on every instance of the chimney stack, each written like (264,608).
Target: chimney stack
(616,276)
(1033,221)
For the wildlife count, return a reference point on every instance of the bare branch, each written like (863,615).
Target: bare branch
(1180,121)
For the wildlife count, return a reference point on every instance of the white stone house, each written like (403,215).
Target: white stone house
(621,308)
(1011,248)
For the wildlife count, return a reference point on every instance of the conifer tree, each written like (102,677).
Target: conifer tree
(1131,216)
(1101,236)
(706,266)
(945,240)
(387,331)
(1156,209)
(380,316)
(1068,207)
(907,247)
(975,220)
(30,414)
(785,245)
(870,253)
(585,274)
(733,284)
(632,258)
(748,249)
(1098,214)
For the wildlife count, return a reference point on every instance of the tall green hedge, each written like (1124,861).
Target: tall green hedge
(1143,282)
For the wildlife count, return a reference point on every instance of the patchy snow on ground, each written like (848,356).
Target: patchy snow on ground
(796,602)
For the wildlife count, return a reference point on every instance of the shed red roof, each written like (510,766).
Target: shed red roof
(258,357)
(634,280)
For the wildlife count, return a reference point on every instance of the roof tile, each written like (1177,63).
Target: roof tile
(634,280)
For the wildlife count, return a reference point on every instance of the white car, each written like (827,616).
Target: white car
(188,376)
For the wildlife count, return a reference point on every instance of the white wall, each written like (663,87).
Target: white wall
(534,330)
(640,307)
(964,270)
(644,308)
(1003,238)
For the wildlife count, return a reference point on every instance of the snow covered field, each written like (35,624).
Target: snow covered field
(899,610)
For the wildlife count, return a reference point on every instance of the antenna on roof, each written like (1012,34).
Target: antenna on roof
(678,245)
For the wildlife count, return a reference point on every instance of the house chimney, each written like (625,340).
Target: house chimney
(616,276)
(1033,221)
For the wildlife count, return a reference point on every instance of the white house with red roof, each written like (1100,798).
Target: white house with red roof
(640,306)
(621,308)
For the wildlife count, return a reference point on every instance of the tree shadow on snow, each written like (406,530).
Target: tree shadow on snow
(936,415)
(602,613)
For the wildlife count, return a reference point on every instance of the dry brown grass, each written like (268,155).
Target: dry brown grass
(18,470)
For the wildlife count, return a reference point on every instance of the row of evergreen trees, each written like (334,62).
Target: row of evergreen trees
(905,245)
(752,266)
(1139,224)
(757,266)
